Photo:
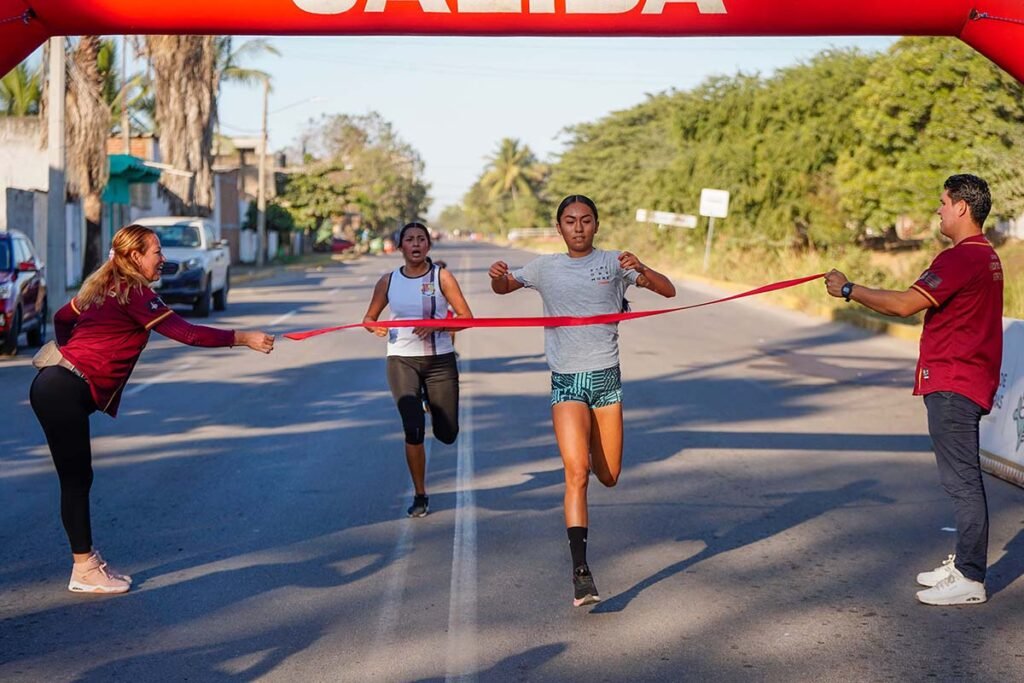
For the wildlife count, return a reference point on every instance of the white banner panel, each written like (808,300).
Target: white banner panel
(1002,430)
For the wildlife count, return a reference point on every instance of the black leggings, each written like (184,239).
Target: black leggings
(408,377)
(63,403)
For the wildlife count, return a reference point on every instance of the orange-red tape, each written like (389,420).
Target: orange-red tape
(548,321)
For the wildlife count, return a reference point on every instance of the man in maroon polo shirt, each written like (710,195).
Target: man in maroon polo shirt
(957,372)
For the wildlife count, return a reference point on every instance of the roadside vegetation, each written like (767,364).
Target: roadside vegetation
(837,162)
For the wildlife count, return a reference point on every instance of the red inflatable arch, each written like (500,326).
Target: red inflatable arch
(993,27)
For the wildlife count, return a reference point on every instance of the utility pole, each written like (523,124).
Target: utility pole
(56,225)
(126,134)
(261,190)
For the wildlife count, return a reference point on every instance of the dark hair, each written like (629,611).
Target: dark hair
(572,199)
(410,226)
(973,190)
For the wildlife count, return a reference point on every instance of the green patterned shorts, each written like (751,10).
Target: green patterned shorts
(596,388)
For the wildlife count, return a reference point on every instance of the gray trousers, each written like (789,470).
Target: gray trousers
(953,426)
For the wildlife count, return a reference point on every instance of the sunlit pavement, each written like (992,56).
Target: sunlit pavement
(777,499)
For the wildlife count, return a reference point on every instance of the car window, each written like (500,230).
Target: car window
(21,252)
(31,251)
(5,255)
(209,236)
(177,235)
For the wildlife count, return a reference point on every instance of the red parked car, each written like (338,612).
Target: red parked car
(335,245)
(22,293)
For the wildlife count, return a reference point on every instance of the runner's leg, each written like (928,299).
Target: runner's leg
(572,431)
(606,443)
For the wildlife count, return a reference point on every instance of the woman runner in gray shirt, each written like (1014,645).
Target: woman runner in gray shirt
(586,388)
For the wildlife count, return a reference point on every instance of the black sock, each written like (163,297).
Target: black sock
(577,545)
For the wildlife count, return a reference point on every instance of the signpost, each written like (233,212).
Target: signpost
(713,204)
(663,218)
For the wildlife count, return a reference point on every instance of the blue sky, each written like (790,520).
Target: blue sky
(453,98)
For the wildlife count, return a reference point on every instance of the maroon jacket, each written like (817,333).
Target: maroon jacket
(104,342)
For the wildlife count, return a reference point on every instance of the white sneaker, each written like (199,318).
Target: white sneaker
(931,578)
(955,589)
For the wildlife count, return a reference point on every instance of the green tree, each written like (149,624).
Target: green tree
(279,217)
(381,173)
(930,107)
(509,192)
(316,195)
(20,91)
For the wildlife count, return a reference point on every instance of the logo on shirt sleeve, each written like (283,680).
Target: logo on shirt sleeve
(930,280)
(155,304)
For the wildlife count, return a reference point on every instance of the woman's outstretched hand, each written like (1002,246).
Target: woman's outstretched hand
(255,340)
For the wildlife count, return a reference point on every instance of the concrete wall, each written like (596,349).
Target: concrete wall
(23,170)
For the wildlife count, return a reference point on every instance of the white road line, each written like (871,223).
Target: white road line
(461,662)
(280,319)
(398,569)
(142,386)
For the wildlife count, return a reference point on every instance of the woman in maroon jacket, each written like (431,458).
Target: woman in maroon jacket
(100,335)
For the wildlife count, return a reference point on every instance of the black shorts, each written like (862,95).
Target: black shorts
(435,379)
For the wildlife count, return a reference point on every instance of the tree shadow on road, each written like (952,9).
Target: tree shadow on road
(514,667)
(212,663)
(801,507)
(1007,568)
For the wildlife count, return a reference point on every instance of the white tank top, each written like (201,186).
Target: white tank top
(417,298)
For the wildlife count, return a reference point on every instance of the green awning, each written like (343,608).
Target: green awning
(126,170)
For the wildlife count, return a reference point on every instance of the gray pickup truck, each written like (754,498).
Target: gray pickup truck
(197,270)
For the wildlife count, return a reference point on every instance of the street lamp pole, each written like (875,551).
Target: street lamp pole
(261,190)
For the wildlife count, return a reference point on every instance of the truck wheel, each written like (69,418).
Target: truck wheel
(202,305)
(220,297)
(37,335)
(9,342)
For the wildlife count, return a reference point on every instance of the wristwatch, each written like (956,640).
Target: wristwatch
(847,290)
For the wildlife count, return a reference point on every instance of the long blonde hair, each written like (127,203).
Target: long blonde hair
(118,275)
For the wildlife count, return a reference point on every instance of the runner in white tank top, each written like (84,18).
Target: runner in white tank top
(421,360)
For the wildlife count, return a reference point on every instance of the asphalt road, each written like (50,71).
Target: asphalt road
(777,499)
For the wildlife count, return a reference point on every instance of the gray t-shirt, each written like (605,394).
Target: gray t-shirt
(592,285)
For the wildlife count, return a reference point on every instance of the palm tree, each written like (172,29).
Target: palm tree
(134,90)
(87,129)
(512,172)
(187,73)
(229,58)
(185,85)
(20,91)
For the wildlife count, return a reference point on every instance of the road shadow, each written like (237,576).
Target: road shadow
(801,507)
(213,663)
(1007,568)
(517,667)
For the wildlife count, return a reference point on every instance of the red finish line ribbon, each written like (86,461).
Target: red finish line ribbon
(548,321)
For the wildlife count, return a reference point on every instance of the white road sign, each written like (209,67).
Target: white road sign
(679,220)
(714,203)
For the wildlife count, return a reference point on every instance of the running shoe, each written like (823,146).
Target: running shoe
(584,590)
(955,589)
(93,576)
(420,506)
(931,578)
(110,570)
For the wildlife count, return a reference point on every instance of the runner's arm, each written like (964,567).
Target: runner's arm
(453,293)
(502,281)
(647,278)
(378,302)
